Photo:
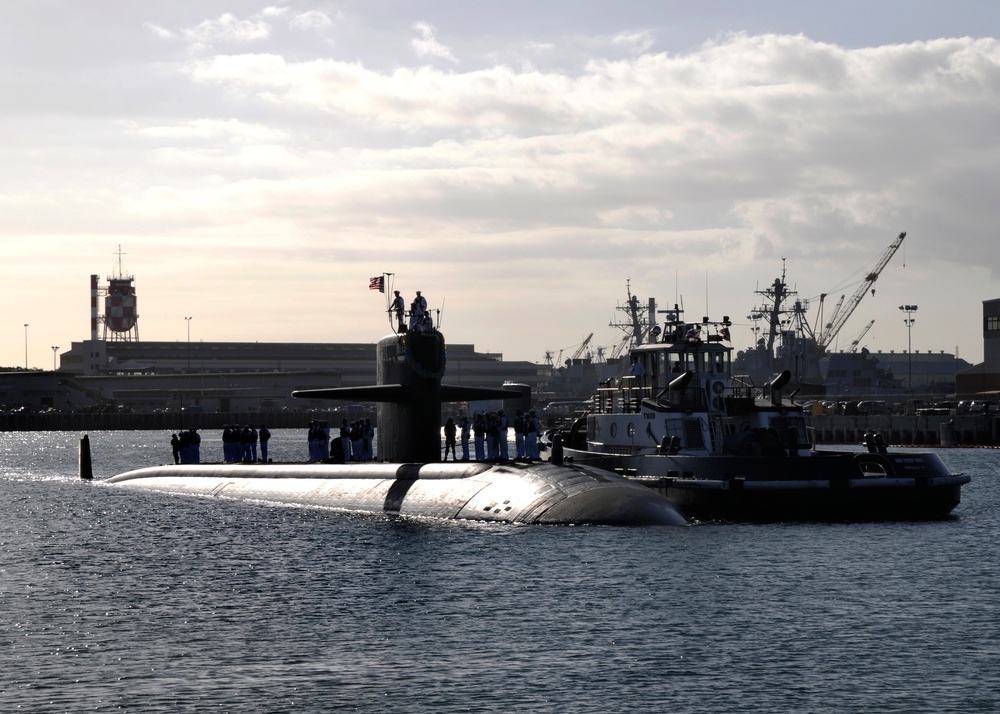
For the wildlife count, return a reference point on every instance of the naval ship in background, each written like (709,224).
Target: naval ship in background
(569,390)
(785,339)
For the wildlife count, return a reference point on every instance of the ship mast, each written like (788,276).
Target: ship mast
(638,322)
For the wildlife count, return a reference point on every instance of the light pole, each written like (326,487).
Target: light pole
(908,321)
(188,319)
(55,348)
(26,346)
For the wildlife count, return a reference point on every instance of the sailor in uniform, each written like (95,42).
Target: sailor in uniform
(479,434)
(466,429)
(357,445)
(252,439)
(345,439)
(368,440)
(265,436)
(418,309)
(502,427)
(398,307)
(531,437)
(450,429)
(519,427)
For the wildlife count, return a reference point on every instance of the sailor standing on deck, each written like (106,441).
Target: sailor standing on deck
(195,446)
(502,427)
(450,430)
(357,436)
(479,434)
(311,436)
(253,443)
(368,440)
(418,308)
(398,307)
(492,432)
(466,429)
(345,439)
(265,436)
(519,427)
(531,437)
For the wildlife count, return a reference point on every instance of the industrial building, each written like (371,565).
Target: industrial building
(115,371)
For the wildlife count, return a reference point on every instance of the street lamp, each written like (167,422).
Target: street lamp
(55,348)
(908,321)
(188,319)
(26,346)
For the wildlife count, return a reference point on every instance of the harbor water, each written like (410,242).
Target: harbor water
(121,600)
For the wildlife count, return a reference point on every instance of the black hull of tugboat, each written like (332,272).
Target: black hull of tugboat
(846,501)
(823,487)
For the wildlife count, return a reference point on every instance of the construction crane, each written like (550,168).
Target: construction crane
(583,346)
(861,335)
(829,323)
(842,314)
(623,345)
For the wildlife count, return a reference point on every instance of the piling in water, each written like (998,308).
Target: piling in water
(86,468)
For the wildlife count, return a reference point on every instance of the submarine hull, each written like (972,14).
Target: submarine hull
(541,493)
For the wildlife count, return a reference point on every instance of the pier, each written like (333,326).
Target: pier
(907,430)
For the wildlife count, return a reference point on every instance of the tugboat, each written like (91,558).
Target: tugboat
(721,448)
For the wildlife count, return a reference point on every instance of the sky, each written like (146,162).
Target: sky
(523,164)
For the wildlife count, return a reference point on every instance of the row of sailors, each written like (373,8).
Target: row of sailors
(239,444)
(186,447)
(356,439)
(489,436)
(488,433)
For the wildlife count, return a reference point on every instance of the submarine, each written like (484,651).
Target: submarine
(410,480)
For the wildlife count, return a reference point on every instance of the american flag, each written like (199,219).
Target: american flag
(377,283)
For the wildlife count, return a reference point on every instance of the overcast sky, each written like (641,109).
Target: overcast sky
(518,162)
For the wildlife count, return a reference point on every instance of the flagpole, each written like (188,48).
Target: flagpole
(388,309)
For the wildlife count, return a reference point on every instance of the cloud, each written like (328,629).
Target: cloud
(159,31)
(312,20)
(743,146)
(427,45)
(210,130)
(227,28)
(633,42)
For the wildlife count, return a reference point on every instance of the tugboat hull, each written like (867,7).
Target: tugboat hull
(825,486)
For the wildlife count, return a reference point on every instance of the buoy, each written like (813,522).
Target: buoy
(86,467)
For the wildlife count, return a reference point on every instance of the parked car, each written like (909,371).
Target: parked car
(871,407)
(982,406)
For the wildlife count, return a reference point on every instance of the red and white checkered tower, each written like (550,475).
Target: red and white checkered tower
(121,316)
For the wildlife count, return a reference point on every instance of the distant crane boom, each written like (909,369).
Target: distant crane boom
(582,347)
(843,313)
(857,340)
